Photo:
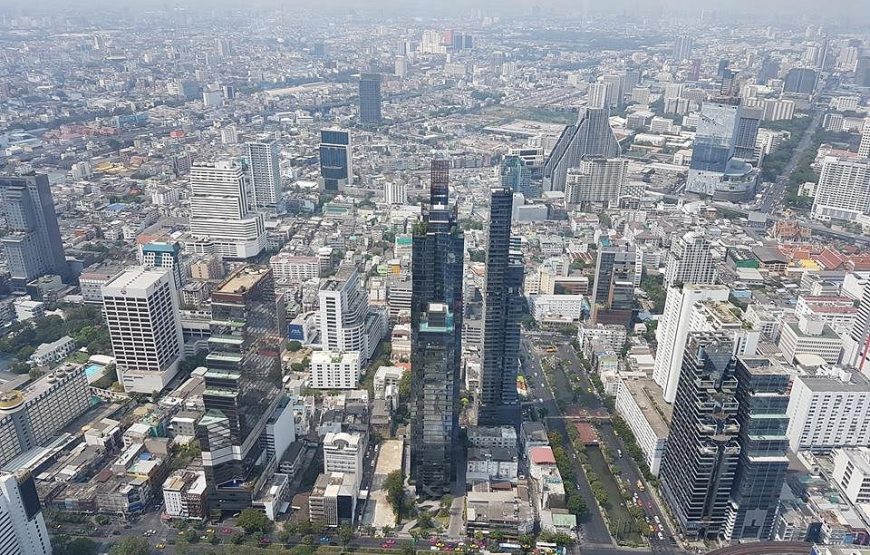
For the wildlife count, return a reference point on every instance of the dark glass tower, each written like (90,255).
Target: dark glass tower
(703,451)
(516,175)
(242,385)
(502,310)
(436,340)
(335,159)
(763,395)
(370,98)
(33,245)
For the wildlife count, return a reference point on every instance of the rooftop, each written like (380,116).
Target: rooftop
(242,280)
(648,396)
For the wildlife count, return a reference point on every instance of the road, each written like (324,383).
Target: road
(565,352)
(773,196)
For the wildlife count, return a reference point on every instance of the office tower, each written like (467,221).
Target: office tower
(220,215)
(862,71)
(590,137)
(673,331)
(22,526)
(598,95)
(703,450)
(343,452)
(502,311)
(769,70)
(347,323)
(800,80)
(336,159)
(616,90)
(716,169)
(395,192)
(436,339)
(615,280)
(843,192)
(864,147)
(746,132)
(596,180)
(32,245)
(224,47)
(690,261)
(517,174)
(763,387)
(683,48)
(141,308)
(264,172)
(400,67)
(161,254)
(370,98)
(242,385)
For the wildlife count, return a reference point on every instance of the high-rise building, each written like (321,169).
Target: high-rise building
(502,311)
(32,245)
(596,180)
(858,343)
(800,80)
(763,387)
(265,172)
(336,159)
(673,331)
(843,192)
(690,261)
(395,192)
(220,217)
(347,322)
(616,277)
(242,384)
(436,339)
(864,146)
(590,137)
(516,173)
(22,526)
(702,453)
(683,48)
(598,95)
(162,254)
(370,98)
(141,308)
(727,133)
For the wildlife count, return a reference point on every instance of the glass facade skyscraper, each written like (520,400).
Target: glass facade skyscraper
(370,98)
(242,385)
(336,160)
(502,311)
(436,339)
(33,245)
(591,137)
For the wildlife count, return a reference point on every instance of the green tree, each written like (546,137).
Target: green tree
(254,521)
(65,545)
(294,346)
(131,545)
(395,486)
(345,534)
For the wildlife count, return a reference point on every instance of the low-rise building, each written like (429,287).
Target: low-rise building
(335,370)
(51,353)
(496,463)
(491,437)
(184,493)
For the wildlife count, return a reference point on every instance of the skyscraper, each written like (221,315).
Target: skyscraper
(347,323)
(843,192)
(615,280)
(703,451)
(590,137)
(517,175)
(33,245)
(800,80)
(763,387)
(596,180)
(220,217)
(673,331)
(336,159)
(22,526)
(370,98)
(690,261)
(682,48)
(265,172)
(242,385)
(502,311)
(141,308)
(436,339)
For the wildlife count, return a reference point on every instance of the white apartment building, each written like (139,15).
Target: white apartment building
(347,323)
(22,526)
(829,410)
(184,493)
(837,312)
(556,307)
(724,316)
(50,353)
(864,146)
(490,437)
(843,192)
(32,416)
(810,335)
(264,172)
(335,370)
(613,335)
(141,308)
(639,402)
(387,376)
(395,192)
(852,473)
(288,268)
(776,109)
(343,453)
(673,330)
(497,463)
(690,260)
(220,217)
(596,180)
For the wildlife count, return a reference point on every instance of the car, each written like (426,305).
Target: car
(160,546)
(660,536)
(324,539)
